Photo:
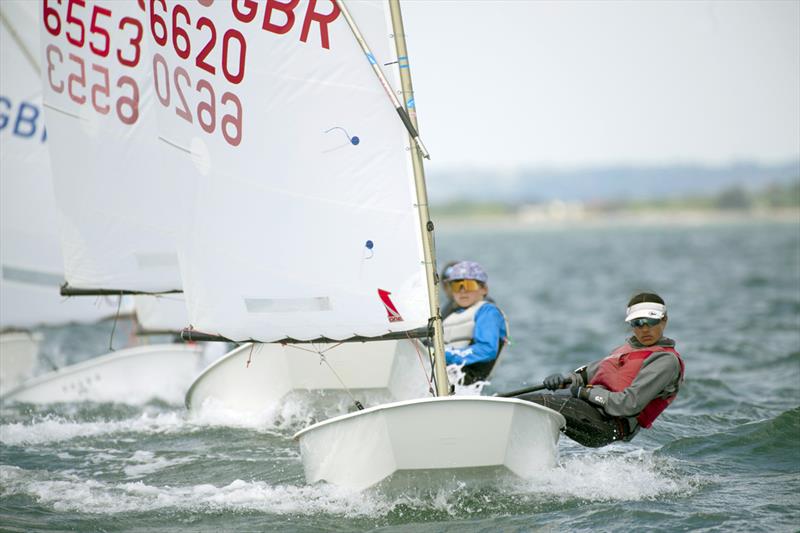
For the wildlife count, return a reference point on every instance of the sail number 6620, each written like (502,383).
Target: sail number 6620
(182,42)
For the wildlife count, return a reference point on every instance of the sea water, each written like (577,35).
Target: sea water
(725,456)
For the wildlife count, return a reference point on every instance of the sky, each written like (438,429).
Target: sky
(575,84)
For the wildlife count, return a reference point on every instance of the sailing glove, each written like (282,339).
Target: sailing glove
(555,381)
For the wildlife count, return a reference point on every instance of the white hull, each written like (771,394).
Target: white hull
(391,370)
(132,375)
(18,358)
(432,439)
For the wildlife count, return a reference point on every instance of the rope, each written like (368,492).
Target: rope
(323,359)
(250,355)
(114,327)
(430,343)
(422,365)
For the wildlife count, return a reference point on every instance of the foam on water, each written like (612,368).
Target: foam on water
(595,477)
(290,415)
(70,493)
(146,462)
(286,417)
(612,475)
(214,413)
(294,412)
(54,428)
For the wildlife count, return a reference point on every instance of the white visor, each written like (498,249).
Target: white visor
(646,310)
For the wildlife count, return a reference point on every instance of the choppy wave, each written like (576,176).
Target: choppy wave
(606,477)
(615,475)
(55,428)
(72,493)
(774,442)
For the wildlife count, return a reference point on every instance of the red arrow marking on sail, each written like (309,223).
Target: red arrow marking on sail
(391,310)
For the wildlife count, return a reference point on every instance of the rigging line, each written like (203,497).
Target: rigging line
(49,361)
(323,359)
(114,327)
(250,355)
(433,379)
(313,349)
(332,347)
(301,348)
(422,365)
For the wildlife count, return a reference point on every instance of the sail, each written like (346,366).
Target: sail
(303,220)
(30,254)
(160,314)
(119,210)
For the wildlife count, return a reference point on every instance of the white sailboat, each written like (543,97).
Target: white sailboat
(116,236)
(306,187)
(430,440)
(31,268)
(257,378)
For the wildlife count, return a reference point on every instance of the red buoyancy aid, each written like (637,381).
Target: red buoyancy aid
(617,371)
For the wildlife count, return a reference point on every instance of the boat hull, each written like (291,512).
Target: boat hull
(431,440)
(252,378)
(132,375)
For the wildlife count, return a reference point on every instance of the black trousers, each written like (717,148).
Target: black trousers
(586,425)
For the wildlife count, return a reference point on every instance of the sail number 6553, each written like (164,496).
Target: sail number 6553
(94,25)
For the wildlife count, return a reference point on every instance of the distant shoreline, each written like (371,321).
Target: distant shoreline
(666,218)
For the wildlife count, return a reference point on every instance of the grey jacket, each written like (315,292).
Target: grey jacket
(660,376)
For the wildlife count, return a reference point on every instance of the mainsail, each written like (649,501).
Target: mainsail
(30,253)
(304,221)
(118,209)
(120,212)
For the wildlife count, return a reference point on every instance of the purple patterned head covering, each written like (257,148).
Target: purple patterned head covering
(468,270)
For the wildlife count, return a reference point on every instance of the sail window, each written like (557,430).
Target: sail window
(287,305)
(154,260)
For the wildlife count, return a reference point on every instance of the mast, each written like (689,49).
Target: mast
(426,225)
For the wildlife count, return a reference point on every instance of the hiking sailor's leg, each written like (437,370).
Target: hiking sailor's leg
(586,425)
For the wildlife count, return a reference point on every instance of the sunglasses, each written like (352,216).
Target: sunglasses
(640,322)
(464,284)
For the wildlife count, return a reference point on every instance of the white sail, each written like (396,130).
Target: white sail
(304,223)
(30,253)
(117,208)
(119,213)
(161,314)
